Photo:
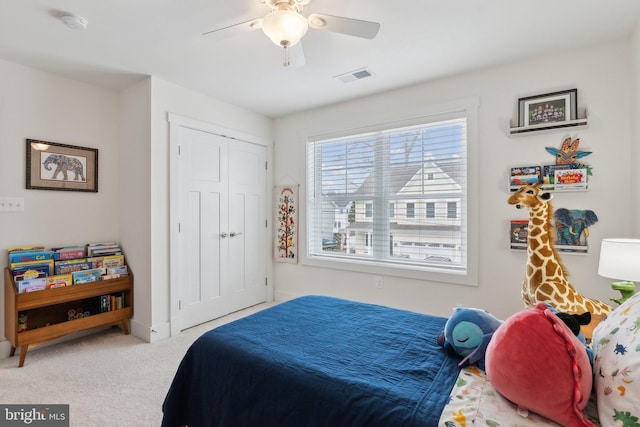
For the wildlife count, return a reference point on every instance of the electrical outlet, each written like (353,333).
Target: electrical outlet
(377,282)
(11,204)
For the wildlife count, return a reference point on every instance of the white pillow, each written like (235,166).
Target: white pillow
(616,347)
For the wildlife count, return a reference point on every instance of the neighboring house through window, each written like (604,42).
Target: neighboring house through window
(421,164)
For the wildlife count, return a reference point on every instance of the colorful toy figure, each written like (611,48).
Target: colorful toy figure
(545,276)
(568,153)
(468,332)
(572,224)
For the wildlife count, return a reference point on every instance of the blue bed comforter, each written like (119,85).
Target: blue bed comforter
(315,361)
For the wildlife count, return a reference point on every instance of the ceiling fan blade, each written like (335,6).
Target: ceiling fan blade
(339,24)
(234,30)
(296,56)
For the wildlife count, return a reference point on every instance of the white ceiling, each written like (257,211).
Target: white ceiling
(419,40)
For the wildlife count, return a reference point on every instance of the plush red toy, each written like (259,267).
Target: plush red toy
(534,360)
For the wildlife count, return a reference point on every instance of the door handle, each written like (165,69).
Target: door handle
(234,234)
(223,235)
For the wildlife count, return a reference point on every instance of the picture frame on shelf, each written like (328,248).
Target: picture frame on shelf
(549,108)
(61,167)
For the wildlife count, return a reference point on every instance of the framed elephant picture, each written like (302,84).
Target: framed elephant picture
(53,166)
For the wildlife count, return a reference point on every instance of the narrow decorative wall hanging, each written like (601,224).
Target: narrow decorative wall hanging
(286,239)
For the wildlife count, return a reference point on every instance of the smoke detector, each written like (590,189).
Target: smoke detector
(74,22)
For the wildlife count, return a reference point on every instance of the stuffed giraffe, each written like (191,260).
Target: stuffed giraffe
(546,277)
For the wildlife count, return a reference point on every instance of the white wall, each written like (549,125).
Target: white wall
(603,76)
(40,105)
(135,197)
(635,120)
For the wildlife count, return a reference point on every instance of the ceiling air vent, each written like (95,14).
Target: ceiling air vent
(354,75)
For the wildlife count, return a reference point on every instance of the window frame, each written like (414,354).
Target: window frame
(430,210)
(434,112)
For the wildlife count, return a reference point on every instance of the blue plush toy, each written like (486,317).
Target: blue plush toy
(468,332)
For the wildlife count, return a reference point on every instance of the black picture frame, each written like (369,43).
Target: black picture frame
(61,167)
(549,109)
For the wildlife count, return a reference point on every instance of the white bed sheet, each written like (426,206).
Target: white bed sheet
(474,401)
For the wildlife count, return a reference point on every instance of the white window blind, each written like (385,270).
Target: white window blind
(419,169)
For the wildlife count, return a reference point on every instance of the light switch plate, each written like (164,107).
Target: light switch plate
(11,204)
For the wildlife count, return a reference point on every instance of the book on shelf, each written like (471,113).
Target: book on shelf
(86,276)
(112,302)
(31,285)
(106,261)
(551,174)
(69,252)
(121,270)
(525,175)
(29,255)
(30,272)
(102,249)
(59,281)
(94,244)
(23,266)
(26,248)
(518,233)
(66,267)
(71,261)
(570,178)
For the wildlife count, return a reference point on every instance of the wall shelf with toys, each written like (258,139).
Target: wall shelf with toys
(47,297)
(551,177)
(518,239)
(566,174)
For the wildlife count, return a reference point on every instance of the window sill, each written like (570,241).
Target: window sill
(427,273)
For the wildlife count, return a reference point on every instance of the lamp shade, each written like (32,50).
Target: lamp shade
(285,27)
(620,259)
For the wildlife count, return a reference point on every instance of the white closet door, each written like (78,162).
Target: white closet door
(222,231)
(247,227)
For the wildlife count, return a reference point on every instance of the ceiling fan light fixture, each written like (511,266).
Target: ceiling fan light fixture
(285,27)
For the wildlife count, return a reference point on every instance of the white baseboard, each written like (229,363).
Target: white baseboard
(5,348)
(284,296)
(150,334)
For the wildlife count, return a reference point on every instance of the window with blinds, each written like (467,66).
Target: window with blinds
(393,196)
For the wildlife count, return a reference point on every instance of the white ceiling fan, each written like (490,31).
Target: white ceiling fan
(285,26)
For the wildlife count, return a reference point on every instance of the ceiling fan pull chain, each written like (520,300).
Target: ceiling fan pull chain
(287,62)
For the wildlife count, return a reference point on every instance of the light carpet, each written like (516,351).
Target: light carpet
(107,378)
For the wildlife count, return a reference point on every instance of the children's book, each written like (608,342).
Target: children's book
(59,281)
(31,285)
(86,276)
(570,178)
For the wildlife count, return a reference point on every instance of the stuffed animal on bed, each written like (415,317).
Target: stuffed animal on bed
(468,332)
(573,322)
(536,361)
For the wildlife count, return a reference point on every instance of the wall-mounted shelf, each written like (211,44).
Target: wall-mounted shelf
(552,177)
(551,187)
(514,131)
(518,239)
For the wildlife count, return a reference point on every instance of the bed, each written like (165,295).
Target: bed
(322,361)
(315,361)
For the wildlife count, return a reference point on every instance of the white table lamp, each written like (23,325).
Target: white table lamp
(620,260)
